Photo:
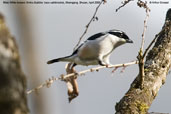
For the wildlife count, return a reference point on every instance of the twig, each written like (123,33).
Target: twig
(149,46)
(123,69)
(152,43)
(87,26)
(47,84)
(123,4)
(64,77)
(144,5)
(140,54)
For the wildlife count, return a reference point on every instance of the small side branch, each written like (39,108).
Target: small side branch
(144,5)
(140,54)
(123,4)
(49,82)
(149,46)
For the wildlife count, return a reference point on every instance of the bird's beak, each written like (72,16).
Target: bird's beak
(129,41)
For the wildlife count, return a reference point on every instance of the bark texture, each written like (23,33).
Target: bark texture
(157,65)
(12,80)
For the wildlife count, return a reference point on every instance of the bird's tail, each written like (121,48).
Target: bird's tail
(64,59)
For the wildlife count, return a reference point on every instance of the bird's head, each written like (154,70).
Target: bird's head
(122,37)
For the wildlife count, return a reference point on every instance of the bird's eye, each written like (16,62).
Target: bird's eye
(121,35)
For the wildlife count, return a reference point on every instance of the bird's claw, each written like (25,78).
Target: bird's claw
(108,65)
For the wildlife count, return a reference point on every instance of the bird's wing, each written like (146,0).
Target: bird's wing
(98,35)
(75,52)
(93,37)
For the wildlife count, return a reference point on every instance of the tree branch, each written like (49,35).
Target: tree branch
(157,65)
(12,80)
(81,73)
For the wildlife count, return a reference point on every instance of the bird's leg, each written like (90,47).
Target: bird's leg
(104,64)
(106,61)
(101,63)
(100,60)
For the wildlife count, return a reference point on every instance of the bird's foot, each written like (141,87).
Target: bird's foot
(105,64)
(108,65)
(102,63)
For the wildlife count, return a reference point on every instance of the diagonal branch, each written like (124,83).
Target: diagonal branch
(125,2)
(152,42)
(87,26)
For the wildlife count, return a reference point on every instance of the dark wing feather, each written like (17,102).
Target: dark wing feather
(98,35)
(76,50)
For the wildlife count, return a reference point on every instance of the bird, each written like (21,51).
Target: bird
(96,50)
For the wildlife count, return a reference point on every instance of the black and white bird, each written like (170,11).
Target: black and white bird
(96,50)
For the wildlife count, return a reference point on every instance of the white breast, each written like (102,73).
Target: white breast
(91,49)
